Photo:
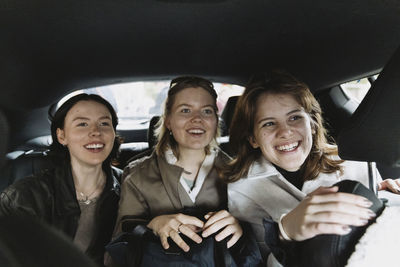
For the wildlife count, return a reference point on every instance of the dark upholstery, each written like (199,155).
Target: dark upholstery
(27,164)
(227,114)
(373,133)
(151,139)
(28,242)
(4,132)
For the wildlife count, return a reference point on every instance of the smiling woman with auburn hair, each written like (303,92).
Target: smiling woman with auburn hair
(284,167)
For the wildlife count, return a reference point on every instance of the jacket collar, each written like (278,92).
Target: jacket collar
(263,169)
(64,188)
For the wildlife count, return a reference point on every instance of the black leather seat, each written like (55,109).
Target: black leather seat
(373,133)
(27,164)
(151,140)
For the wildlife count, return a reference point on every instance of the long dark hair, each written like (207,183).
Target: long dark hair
(59,152)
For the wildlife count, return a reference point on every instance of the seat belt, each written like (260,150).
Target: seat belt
(372,174)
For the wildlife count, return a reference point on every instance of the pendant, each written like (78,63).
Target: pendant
(87,201)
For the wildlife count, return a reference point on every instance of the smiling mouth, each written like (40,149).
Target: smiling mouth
(196,131)
(289,147)
(94,147)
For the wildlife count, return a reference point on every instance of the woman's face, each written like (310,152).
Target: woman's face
(282,130)
(192,120)
(88,133)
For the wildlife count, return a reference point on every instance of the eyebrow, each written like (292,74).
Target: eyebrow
(87,119)
(188,105)
(287,114)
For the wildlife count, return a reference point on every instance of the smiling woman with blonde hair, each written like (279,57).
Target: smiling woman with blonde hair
(177,192)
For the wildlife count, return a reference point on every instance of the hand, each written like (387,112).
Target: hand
(325,211)
(171,225)
(391,185)
(222,219)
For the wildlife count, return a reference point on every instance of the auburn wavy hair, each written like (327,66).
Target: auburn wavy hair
(278,82)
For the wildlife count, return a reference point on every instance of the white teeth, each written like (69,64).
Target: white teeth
(196,131)
(289,147)
(94,146)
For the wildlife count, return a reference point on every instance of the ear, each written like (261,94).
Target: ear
(61,136)
(253,142)
(167,123)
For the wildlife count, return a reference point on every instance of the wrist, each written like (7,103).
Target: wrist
(282,234)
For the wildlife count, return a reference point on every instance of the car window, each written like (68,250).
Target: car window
(136,102)
(357,89)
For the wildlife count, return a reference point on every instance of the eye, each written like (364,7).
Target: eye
(82,124)
(295,118)
(105,123)
(208,111)
(185,110)
(268,124)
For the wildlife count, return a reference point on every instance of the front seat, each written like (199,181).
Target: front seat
(373,132)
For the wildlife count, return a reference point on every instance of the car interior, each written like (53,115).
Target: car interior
(49,49)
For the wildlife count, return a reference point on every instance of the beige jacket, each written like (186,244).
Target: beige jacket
(151,187)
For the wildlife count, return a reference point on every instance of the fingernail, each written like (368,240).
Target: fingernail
(206,216)
(363,221)
(366,203)
(371,214)
(346,229)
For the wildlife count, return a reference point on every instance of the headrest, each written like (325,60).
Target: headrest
(373,132)
(4,135)
(227,114)
(151,138)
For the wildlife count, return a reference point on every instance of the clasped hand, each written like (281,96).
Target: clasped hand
(172,225)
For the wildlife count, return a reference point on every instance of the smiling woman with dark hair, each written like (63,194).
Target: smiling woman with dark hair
(79,196)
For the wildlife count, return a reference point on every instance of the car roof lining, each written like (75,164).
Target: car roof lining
(58,46)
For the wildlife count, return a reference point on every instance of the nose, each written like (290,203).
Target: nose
(284,131)
(196,116)
(94,130)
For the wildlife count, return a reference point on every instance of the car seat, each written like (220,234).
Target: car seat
(151,139)
(373,131)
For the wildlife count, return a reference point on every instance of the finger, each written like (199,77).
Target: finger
(194,228)
(328,228)
(331,208)
(324,190)
(164,242)
(336,218)
(188,231)
(208,215)
(233,239)
(340,197)
(216,216)
(186,219)
(218,225)
(232,229)
(392,185)
(178,240)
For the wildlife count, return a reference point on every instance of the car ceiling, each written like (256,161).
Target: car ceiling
(51,47)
